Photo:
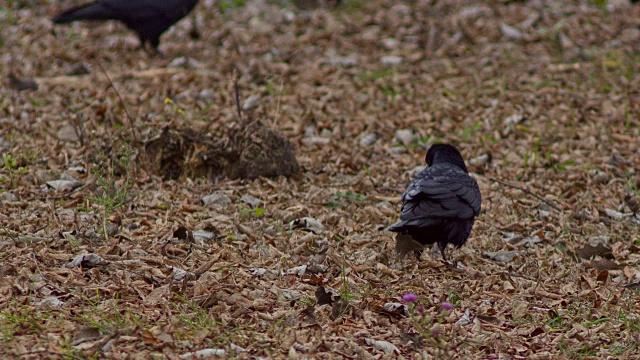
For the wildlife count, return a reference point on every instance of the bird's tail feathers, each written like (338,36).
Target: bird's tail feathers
(414,223)
(397,227)
(400,226)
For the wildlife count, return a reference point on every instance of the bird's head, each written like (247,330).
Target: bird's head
(445,153)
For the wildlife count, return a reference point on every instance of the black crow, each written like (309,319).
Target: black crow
(441,203)
(148,18)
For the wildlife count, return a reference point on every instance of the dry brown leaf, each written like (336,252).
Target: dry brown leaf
(587,252)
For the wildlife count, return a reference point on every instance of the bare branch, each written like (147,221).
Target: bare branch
(124,106)
(526,191)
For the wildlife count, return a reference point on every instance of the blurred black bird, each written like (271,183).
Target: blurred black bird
(148,18)
(441,203)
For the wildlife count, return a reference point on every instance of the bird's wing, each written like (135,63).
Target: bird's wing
(441,192)
(124,6)
(149,18)
(172,10)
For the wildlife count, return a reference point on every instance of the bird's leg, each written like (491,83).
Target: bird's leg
(453,263)
(143,45)
(159,53)
(442,246)
(155,43)
(194,33)
(153,51)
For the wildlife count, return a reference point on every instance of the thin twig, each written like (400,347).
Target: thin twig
(35,261)
(526,191)
(78,128)
(275,116)
(124,106)
(389,189)
(30,239)
(237,93)
(38,352)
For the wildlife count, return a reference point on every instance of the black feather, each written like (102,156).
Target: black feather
(441,203)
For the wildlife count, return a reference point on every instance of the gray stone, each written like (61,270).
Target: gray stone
(251,200)
(203,236)
(66,185)
(345,61)
(405,136)
(9,197)
(217,198)
(391,60)
(368,139)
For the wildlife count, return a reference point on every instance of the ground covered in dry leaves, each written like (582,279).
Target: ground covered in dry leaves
(102,255)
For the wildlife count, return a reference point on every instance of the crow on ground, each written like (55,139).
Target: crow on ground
(148,18)
(441,203)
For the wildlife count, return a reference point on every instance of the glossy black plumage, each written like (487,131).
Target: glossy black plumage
(441,203)
(148,18)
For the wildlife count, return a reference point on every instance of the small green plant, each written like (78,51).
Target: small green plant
(366,169)
(471,131)
(9,16)
(170,103)
(225,5)
(71,238)
(589,324)
(306,301)
(563,165)
(21,319)
(16,171)
(353,5)
(619,349)
(430,139)
(599,3)
(246,212)
(9,161)
(581,352)
(273,86)
(390,91)
(345,290)
(454,298)
(350,196)
(531,159)
(113,196)
(631,185)
(193,316)
(630,320)
(376,74)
